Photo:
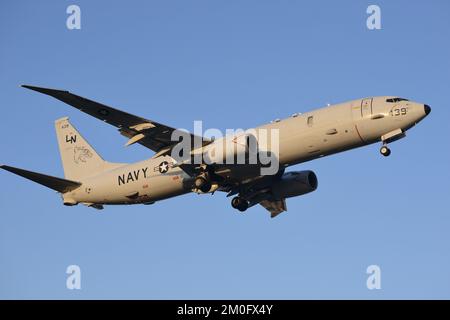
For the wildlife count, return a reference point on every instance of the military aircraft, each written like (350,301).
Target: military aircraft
(94,182)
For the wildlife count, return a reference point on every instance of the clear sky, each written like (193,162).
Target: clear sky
(232,64)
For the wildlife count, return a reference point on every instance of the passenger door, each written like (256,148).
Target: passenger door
(366,108)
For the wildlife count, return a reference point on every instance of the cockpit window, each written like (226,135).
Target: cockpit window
(396,100)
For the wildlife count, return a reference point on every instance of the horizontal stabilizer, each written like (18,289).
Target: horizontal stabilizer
(57,184)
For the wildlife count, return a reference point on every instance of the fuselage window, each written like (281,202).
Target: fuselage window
(310,121)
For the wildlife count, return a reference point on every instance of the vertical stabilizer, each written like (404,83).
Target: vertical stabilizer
(79,158)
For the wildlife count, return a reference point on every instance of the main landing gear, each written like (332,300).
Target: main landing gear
(385,151)
(202,183)
(239,203)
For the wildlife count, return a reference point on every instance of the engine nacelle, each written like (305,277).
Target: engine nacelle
(295,183)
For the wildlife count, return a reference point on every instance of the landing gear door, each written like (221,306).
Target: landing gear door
(366,108)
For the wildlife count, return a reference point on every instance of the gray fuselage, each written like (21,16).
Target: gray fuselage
(302,137)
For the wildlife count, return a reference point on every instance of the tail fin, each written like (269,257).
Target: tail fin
(78,157)
(57,184)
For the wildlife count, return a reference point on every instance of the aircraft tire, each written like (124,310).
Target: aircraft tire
(385,151)
(239,204)
(202,183)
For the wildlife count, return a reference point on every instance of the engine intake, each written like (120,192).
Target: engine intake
(295,183)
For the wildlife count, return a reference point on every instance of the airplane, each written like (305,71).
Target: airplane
(94,182)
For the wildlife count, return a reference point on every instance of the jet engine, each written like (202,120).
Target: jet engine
(295,183)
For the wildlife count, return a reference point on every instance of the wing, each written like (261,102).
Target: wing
(151,134)
(275,207)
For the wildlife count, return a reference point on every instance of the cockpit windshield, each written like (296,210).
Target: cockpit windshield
(396,100)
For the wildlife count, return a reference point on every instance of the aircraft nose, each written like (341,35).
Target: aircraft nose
(427,109)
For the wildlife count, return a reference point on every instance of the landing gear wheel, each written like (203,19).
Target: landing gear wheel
(202,184)
(239,204)
(385,151)
(235,202)
(243,205)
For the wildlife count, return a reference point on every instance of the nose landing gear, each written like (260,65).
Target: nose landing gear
(385,151)
(239,203)
(389,137)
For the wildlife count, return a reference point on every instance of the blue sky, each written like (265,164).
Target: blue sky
(231,64)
